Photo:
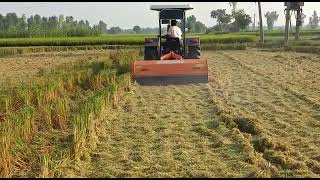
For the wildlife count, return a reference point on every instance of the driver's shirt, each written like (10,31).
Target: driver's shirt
(175,31)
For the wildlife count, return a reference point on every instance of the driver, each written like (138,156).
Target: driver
(174,31)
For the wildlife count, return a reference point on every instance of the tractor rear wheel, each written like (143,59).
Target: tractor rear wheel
(151,53)
(194,52)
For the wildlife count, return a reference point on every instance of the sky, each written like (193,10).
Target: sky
(128,14)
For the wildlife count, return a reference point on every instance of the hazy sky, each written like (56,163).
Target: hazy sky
(128,14)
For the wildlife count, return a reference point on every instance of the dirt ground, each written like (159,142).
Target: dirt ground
(259,116)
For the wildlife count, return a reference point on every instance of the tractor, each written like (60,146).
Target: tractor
(169,60)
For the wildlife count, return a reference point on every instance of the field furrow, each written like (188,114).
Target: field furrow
(282,114)
(169,131)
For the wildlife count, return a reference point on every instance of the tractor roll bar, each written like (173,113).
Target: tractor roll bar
(183,29)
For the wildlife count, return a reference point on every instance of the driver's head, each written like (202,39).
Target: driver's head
(173,22)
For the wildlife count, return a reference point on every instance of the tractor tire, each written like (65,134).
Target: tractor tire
(151,53)
(194,52)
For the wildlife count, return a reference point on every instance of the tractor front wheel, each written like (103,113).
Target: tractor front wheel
(151,53)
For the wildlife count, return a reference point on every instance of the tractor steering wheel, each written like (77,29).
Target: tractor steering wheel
(164,36)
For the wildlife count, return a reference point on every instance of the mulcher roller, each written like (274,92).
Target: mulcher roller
(170,69)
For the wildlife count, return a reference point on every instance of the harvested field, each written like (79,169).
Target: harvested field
(23,67)
(258,117)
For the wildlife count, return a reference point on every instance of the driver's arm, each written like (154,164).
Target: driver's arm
(164,36)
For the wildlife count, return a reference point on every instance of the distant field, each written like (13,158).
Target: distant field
(114,40)
(309,42)
(279,33)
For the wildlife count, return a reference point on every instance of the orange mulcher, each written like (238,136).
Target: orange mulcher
(171,62)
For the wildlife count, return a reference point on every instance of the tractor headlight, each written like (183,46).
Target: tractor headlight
(194,40)
(148,40)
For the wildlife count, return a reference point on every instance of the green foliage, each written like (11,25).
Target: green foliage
(227,38)
(190,23)
(12,26)
(9,51)
(199,27)
(271,18)
(222,17)
(106,40)
(241,20)
(195,26)
(114,30)
(137,29)
(234,6)
(314,20)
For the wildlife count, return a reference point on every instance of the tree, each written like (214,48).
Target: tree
(136,29)
(87,23)
(114,30)
(242,20)
(314,20)
(234,7)
(221,16)
(61,20)
(102,27)
(303,16)
(271,18)
(81,23)
(190,24)
(69,19)
(22,25)
(199,27)
(32,27)
(12,19)
(53,22)
(37,26)
(44,25)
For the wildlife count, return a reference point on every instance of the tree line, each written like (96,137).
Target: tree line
(36,26)
(12,26)
(241,20)
(236,21)
(313,20)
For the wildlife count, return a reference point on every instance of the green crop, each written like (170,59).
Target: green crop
(114,40)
